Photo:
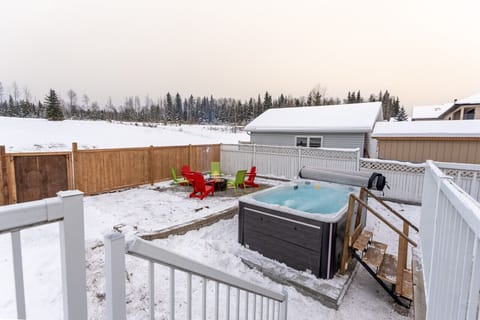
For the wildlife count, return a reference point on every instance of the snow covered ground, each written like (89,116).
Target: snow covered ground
(147,208)
(19,134)
(144,209)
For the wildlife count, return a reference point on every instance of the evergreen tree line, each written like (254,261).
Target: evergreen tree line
(175,108)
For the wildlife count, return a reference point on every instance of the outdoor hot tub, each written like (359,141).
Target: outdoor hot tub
(301,224)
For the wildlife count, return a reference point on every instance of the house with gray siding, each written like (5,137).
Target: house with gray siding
(333,126)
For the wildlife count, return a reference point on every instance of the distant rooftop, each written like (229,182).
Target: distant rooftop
(475,99)
(356,117)
(446,128)
(430,112)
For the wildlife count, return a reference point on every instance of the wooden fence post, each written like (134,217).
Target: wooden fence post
(11,181)
(74,164)
(150,166)
(4,177)
(190,155)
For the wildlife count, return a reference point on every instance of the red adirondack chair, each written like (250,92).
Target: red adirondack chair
(251,177)
(200,188)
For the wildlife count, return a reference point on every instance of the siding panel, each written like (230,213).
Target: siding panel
(335,140)
(462,151)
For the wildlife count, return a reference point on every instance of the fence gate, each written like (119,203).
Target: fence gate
(39,176)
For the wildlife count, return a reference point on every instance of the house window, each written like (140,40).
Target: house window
(301,141)
(469,114)
(311,142)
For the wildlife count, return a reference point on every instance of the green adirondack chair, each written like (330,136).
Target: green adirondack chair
(178,181)
(238,182)
(215,171)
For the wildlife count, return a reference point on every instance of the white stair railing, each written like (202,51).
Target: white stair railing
(248,299)
(67,210)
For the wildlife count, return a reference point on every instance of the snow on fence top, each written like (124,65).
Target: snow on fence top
(435,128)
(356,117)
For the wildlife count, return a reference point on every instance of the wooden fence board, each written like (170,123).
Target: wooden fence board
(40,176)
(3,177)
(104,170)
(165,158)
(33,176)
(202,155)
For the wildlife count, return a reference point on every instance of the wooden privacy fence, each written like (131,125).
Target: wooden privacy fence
(34,176)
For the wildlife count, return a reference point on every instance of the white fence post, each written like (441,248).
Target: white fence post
(72,244)
(284,306)
(18,274)
(115,276)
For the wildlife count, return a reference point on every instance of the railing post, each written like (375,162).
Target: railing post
(72,245)
(18,274)
(284,307)
(343,263)
(115,276)
(402,259)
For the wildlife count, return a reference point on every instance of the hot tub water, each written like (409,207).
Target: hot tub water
(315,198)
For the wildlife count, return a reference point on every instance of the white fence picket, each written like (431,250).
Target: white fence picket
(115,250)
(67,210)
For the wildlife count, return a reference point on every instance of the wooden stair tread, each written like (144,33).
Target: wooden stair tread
(375,253)
(407,285)
(362,241)
(379,245)
(388,269)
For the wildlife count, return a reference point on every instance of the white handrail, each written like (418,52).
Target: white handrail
(115,249)
(450,236)
(67,210)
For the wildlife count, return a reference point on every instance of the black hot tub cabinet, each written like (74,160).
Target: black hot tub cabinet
(300,240)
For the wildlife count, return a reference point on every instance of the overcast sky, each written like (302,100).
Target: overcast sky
(424,51)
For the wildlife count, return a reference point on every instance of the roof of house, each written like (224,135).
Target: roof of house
(435,128)
(356,117)
(475,99)
(430,112)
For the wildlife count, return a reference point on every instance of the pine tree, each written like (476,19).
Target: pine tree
(402,114)
(52,105)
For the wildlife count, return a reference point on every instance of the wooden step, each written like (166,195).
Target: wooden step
(388,269)
(362,241)
(407,285)
(374,254)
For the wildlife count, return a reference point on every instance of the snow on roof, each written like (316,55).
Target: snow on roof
(475,99)
(439,128)
(356,117)
(430,112)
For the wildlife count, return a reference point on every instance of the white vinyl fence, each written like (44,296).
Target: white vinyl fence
(405,179)
(450,236)
(283,161)
(67,210)
(232,298)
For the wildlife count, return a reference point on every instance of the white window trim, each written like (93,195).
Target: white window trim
(308,140)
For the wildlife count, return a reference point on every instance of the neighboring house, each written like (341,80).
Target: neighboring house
(448,141)
(333,126)
(429,112)
(464,109)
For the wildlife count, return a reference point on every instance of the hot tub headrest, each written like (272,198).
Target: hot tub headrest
(375,181)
